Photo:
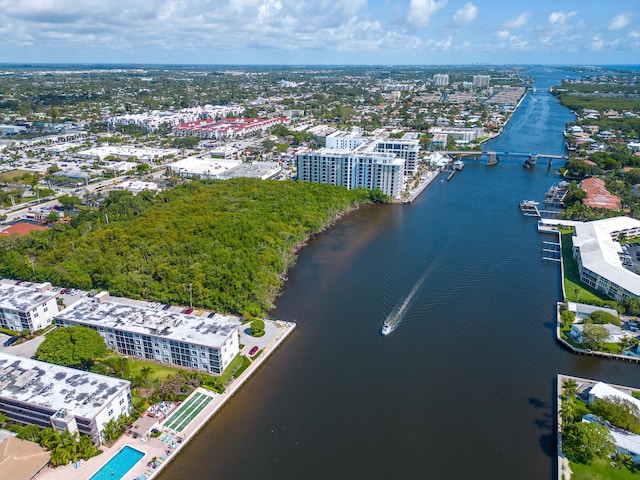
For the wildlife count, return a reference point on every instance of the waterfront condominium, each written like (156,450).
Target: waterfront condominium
(64,398)
(353,161)
(602,261)
(25,307)
(129,327)
(351,169)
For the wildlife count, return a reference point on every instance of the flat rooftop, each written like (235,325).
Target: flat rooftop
(132,316)
(262,170)
(213,167)
(17,297)
(55,387)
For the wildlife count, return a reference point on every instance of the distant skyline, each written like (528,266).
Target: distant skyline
(320,31)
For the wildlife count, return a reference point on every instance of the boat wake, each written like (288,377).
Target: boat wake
(397,314)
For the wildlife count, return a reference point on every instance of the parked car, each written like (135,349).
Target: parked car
(253,350)
(188,311)
(11,340)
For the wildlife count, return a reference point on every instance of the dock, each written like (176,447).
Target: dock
(529,208)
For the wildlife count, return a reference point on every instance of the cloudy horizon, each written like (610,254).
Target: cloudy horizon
(320,32)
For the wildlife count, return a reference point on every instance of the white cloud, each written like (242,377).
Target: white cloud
(466,14)
(503,34)
(421,11)
(619,22)
(596,42)
(561,17)
(518,21)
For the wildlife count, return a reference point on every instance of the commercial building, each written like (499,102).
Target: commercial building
(228,127)
(601,259)
(224,169)
(207,343)
(26,307)
(49,395)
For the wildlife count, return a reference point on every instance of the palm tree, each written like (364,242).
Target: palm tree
(49,438)
(29,432)
(569,388)
(144,374)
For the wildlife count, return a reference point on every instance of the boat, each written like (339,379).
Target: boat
(386,328)
(493,161)
(458,165)
(530,208)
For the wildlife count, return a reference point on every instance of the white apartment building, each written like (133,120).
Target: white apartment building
(407,148)
(481,81)
(344,140)
(460,134)
(441,79)
(352,169)
(129,327)
(26,307)
(600,256)
(64,398)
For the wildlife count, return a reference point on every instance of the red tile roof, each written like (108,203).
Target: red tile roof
(22,228)
(598,196)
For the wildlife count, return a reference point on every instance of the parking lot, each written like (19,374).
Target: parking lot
(26,349)
(631,261)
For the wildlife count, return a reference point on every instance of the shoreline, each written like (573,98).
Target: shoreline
(156,447)
(563,469)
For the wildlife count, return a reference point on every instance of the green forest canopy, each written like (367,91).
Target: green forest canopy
(232,240)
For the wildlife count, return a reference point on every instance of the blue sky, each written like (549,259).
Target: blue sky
(321,31)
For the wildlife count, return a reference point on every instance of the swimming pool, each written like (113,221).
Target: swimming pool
(118,466)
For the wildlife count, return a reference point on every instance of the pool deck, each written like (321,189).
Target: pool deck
(157,447)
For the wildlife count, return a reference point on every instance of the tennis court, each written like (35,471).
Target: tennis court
(189,410)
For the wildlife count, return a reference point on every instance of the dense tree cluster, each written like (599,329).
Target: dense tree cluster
(231,240)
(72,347)
(619,412)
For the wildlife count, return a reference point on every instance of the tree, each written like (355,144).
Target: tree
(72,346)
(574,194)
(29,432)
(586,441)
(602,317)
(619,412)
(68,202)
(632,305)
(53,217)
(257,328)
(567,317)
(142,168)
(594,336)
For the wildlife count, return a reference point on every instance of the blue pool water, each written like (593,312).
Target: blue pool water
(118,466)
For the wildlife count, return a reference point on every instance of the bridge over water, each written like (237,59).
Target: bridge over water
(530,157)
(475,153)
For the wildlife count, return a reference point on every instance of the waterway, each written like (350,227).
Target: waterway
(464,387)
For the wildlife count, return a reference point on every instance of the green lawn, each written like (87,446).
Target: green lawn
(574,289)
(158,371)
(602,470)
(235,368)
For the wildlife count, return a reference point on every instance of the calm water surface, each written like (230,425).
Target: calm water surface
(464,387)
